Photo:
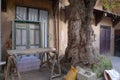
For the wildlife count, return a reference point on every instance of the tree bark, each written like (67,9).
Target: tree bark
(80,50)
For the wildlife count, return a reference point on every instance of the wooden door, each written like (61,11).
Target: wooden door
(105,32)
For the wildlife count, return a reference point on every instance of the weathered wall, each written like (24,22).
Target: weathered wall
(98,5)
(63,26)
(106,22)
(9,16)
(117,26)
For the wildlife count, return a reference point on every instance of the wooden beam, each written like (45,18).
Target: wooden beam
(100,13)
(55,6)
(98,16)
(4,5)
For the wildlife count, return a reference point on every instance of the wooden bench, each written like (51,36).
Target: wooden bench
(2,63)
(51,57)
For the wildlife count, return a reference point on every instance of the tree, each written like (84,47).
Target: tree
(111,4)
(80,50)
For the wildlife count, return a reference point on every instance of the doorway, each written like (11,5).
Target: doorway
(105,32)
(117,43)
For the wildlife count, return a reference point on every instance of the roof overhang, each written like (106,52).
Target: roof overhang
(99,14)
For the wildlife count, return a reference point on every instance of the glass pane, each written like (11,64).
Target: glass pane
(37,33)
(43,15)
(24,37)
(34,26)
(21,13)
(34,33)
(37,36)
(42,36)
(46,35)
(18,37)
(21,25)
(33,14)
(31,36)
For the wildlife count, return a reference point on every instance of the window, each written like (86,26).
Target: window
(30,28)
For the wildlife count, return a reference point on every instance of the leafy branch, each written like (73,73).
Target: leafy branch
(110,4)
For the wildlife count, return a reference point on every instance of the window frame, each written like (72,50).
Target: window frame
(28,21)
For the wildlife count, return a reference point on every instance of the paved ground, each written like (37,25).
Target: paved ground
(116,63)
(45,74)
(37,75)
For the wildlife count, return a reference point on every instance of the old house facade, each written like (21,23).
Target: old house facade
(105,30)
(21,10)
(22,18)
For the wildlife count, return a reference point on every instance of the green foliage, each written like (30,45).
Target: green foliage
(103,64)
(111,4)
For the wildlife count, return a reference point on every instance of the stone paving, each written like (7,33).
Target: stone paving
(116,63)
(37,75)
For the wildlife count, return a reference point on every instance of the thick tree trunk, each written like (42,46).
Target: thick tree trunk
(80,50)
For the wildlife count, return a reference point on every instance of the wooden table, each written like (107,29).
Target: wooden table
(51,57)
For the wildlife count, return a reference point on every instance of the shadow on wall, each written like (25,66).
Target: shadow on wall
(8,45)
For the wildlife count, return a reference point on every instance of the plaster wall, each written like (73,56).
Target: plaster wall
(63,36)
(98,5)
(117,26)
